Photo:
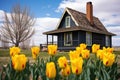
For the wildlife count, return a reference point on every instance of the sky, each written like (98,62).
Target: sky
(48,13)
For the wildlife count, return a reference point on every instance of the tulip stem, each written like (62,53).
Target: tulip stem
(77,77)
(52,79)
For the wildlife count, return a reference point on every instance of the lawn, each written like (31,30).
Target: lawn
(5,56)
(5,53)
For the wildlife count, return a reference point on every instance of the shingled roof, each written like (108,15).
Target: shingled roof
(82,24)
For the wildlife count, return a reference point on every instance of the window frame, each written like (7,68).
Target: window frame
(89,38)
(66,38)
(107,40)
(67,19)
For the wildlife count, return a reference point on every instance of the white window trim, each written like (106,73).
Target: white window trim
(107,40)
(67,26)
(89,34)
(65,44)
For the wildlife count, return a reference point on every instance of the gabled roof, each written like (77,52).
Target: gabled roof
(82,23)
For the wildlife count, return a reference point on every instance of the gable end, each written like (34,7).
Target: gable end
(61,23)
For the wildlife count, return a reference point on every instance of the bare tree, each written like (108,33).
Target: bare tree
(25,44)
(17,27)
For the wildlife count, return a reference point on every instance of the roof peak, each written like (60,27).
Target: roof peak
(67,8)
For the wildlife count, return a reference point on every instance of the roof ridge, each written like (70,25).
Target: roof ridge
(84,16)
(79,12)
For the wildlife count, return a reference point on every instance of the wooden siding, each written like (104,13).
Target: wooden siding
(77,36)
(80,37)
(60,39)
(98,39)
(62,24)
(110,41)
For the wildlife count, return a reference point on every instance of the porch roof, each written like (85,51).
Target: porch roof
(74,28)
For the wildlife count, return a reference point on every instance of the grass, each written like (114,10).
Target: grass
(5,53)
(5,56)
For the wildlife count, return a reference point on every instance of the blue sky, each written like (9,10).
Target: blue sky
(40,8)
(49,12)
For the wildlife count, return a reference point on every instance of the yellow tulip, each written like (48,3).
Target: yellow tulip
(66,71)
(35,52)
(79,49)
(52,49)
(100,54)
(76,65)
(108,59)
(62,62)
(83,46)
(19,62)
(73,55)
(50,70)
(95,48)
(14,51)
(110,50)
(85,54)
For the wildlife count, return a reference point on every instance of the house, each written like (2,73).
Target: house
(76,27)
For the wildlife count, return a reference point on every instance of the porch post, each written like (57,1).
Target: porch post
(78,38)
(52,39)
(47,40)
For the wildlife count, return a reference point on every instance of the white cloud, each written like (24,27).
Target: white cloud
(114,29)
(42,25)
(116,41)
(1,15)
(108,11)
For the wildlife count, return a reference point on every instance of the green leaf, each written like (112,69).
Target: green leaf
(105,74)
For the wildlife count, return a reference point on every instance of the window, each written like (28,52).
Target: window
(107,40)
(89,38)
(67,21)
(68,39)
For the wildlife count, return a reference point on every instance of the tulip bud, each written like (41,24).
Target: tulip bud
(52,49)
(62,62)
(76,65)
(108,59)
(85,54)
(50,70)
(35,52)
(19,62)
(66,71)
(14,51)
(83,46)
(95,48)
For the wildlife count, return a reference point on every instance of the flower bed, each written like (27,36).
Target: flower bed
(101,64)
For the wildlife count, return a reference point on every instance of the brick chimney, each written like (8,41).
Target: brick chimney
(89,12)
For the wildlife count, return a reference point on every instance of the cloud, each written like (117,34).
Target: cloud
(41,25)
(1,15)
(103,9)
(116,41)
(106,10)
(114,29)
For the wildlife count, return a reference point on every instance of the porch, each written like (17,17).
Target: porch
(53,39)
